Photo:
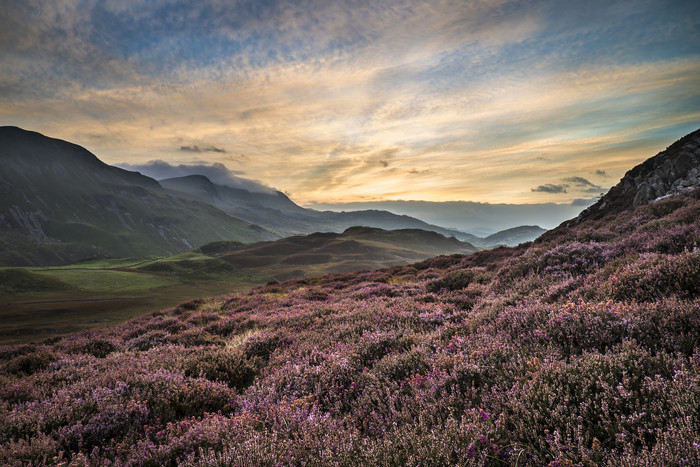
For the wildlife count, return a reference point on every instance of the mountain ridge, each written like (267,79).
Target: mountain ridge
(275,211)
(61,204)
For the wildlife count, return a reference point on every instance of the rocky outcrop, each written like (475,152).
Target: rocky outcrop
(671,171)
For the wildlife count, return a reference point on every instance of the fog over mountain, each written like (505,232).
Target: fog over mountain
(216,172)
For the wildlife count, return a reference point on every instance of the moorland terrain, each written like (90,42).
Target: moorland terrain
(85,244)
(580,348)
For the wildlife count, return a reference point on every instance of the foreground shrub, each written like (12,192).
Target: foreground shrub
(578,349)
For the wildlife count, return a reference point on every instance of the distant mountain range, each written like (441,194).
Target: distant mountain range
(60,204)
(277,213)
(480,219)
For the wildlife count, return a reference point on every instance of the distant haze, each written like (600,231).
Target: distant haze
(475,218)
(480,219)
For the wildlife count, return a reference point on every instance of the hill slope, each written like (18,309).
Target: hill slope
(511,237)
(579,349)
(59,203)
(355,249)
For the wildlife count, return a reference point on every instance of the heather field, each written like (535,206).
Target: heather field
(578,349)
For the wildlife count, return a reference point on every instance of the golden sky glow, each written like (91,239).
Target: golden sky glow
(490,101)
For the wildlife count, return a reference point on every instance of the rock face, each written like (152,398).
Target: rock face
(668,173)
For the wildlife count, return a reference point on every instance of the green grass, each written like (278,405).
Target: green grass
(108,263)
(41,302)
(109,281)
(18,280)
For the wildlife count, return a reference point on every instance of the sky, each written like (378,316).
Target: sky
(354,101)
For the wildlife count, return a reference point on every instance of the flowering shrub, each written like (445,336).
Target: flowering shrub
(578,349)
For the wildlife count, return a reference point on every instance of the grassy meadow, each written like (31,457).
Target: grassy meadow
(41,302)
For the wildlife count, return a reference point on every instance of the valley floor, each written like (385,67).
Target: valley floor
(41,302)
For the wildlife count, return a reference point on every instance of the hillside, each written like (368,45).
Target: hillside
(578,349)
(277,213)
(670,172)
(510,237)
(59,203)
(357,248)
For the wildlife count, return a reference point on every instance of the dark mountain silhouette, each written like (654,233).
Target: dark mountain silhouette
(59,203)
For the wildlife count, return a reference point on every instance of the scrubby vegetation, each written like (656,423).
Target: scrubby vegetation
(578,349)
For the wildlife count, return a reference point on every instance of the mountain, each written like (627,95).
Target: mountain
(357,248)
(670,172)
(581,348)
(276,212)
(480,219)
(273,209)
(511,237)
(59,203)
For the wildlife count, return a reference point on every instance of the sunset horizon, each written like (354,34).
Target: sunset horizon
(484,101)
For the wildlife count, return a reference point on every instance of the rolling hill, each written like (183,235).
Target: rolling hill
(510,237)
(357,248)
(59,204)
(581,348)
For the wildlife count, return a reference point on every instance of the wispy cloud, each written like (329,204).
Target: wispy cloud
(549,188)
(402,99)
(196,148)
(579,181)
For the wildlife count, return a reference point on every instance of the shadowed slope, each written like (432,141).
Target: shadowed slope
(59,203)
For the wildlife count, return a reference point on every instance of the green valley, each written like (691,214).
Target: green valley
(40,302)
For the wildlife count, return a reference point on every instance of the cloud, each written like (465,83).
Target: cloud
(217,173)
(198,149)
(584,185)
(579,181)
(549,188)
(600,172)
(494,96)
